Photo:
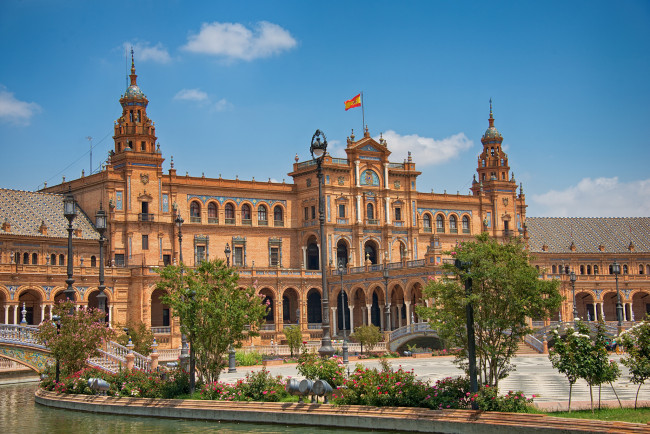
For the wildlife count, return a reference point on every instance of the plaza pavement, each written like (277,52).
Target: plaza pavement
(533,375)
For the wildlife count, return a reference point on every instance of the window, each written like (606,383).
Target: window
(465,224)
(306,213)
(624,268)
(229,211)
(341,211)
(640,269)
(145,242)
(245,212)
(588,269)
(34,259)
(238,256)
(165,313)
(313,212)
(275,252)
(61,259)
(554,269)
(440,223)
(143,146)
(167,260)
(118,200)
(93,261)
(453,224)
(213,216)
(370,212)
(26,258)
(119,259)
(274,259)
(195,212)
(426,222)
(53,259)
(200,254)
(582,269)
(398,213)
(262,216)
(595,269)
(278,219)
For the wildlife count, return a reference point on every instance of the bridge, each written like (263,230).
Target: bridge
(403,335)
(20,344)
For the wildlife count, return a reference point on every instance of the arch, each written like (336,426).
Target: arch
(159,311)
(609,306)
(453,224)
(440,223)
(342,252)
(30,299)
(585,305)
(246,212)
(93,302)
(34,258)
(465,224)
(268,299)
(398,250)
(553,269)
(290,306)
(195,212)
(357,303)
(278,215)
(376,308)
(229,213)
(314,310)
(61,259)
(426,222)
(213,212)
(342,309)
(4,300)
(370,251)
(370,211)
(313,254)
(398,312)
(262,215)
(640,305)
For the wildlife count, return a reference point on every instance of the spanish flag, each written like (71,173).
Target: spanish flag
(354,102)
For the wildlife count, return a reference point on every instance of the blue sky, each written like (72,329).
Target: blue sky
(238,88)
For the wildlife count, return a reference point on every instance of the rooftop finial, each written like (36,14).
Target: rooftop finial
(133,63)
(491,120)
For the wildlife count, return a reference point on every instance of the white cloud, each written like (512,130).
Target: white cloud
(191,95)
(15,111)
(599,197)
(425,150)
(223,105)
(144,51)
(235,41)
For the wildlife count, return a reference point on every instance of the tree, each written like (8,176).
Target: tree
(78,338)
(506,291)
(636,342)
(214,312)
(141,337)
(599,368)
(368,335)
(294,338)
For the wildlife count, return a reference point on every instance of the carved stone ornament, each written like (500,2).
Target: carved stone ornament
(505,201)
(144,178)
(308,182)
(397,184)
(341,180)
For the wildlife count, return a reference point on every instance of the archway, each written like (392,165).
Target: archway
(342,308)
(3,303)
(640,305)
(415,298)
(375,309)
(585,306)
(160,313)
(609,307)
(268,299)
(313,257)
(342,253)
(290,313)
(358,304)
(314,310)
(93,302)
(370,252)
(398,311)
(30,301)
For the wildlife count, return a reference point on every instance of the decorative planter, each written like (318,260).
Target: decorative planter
(272,362)
(422,355)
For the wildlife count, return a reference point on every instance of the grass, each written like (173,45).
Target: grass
(640,415)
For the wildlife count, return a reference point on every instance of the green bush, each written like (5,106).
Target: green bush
(251,358)
(257,386)
(313,367)
(488,399)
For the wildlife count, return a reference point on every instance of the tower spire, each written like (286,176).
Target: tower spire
(133,76)
(491,120)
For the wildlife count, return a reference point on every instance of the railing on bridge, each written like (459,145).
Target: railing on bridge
(419,327)
(534,342)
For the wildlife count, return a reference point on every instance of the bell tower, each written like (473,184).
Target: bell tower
(493,162)
(135,133)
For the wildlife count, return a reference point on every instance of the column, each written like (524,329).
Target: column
(382,316)
(6,314)
(304,257)
(351,307)
(356,172)
(42,312)
(363,315)
(51,306)
(110,316)
(334,329)
(368,312)
(399,315)
(602,312)
(632,311)
(16,314)
(387,208)
(408,312)
(359,210)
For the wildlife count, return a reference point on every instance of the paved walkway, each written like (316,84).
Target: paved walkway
(533,375)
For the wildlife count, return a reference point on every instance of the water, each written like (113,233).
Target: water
(19,413)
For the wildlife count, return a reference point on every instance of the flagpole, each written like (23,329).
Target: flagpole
(363,115)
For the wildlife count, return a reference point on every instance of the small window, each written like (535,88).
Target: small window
(306,213)
(465,224)
(624,268)
(588,269)
(595,269)
(453,224)
(370,212)
(119,259)
(554,269)
(53,259)
(93,261)
(61,259)
(246,212)
(277,213)
(213,216)
(165,318)
(313,212)
(195,212)
(167,260)
(145,242)
(440,223)
(143,146)
(398,213)
(26,258)
(640,269)
(341,211)
(200,254)
(582,269)
(229,211)
(274,260)
(262,214)
(426,221)
(34,259)
(238,256)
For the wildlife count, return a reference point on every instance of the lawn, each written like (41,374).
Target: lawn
(640,415)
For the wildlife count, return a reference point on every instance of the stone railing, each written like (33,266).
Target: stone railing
(419,327)
(26,335)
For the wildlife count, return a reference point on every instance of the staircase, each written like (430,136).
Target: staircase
(524,349)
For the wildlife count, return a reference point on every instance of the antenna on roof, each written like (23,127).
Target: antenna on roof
(126,68)
(90,141)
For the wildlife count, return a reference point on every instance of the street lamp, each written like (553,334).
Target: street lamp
(343,309)
(179,222)
(100,224)
(386,304)
(318,149)
(573,279)
(227,252)
(185,354)
(616,269)
(57,320)
(70,212)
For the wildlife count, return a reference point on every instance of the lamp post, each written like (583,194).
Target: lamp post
(185,355)
(232,360)
(70,212)
(57,321)
(100,224)
(227,252)
(616,269)
(318,150)
(387,326)
(573,279)
(343,310)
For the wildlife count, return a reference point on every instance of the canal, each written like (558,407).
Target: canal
(19,413)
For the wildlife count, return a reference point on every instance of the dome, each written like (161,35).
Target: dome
(134,91)
(492,133)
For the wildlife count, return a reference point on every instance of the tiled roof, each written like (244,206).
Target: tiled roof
(26,210)
(587,234)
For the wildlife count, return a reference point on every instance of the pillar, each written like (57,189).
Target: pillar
(351,307)
(154,361)
(602,312)
(42,312)
(399,315)
(6,314)
(335,330)
(368,316)
(110,316)
(15,314)
(408,312)
(382,316)
(51,307)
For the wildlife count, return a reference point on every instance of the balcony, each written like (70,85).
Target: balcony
(278,223)
(195,219)
(372,221)
(341,221)
(213,220)
(398,223)
(453,230)
(466,230)
(161,330)
(427,229)
(440,230)
(262,223)
(247,222)
(145,217)
(230,221)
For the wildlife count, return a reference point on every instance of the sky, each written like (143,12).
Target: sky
(237,89)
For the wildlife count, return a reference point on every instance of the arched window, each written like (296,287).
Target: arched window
(465,224)
(53,259)
(195,212)
(553,269)
(262,215)
(93,261)
(426,222)
(588,269)
(34,259)
(246,213)
(213,215)
(26,258)
(595,269)
(640,269)
(440,223)
(453,224)
(278,219)
(229,210)
(370,212)
(582,269)
(624,268)
(61,259)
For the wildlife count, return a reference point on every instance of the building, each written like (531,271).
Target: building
(375,220)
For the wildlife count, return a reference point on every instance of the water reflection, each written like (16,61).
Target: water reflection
(19,413)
